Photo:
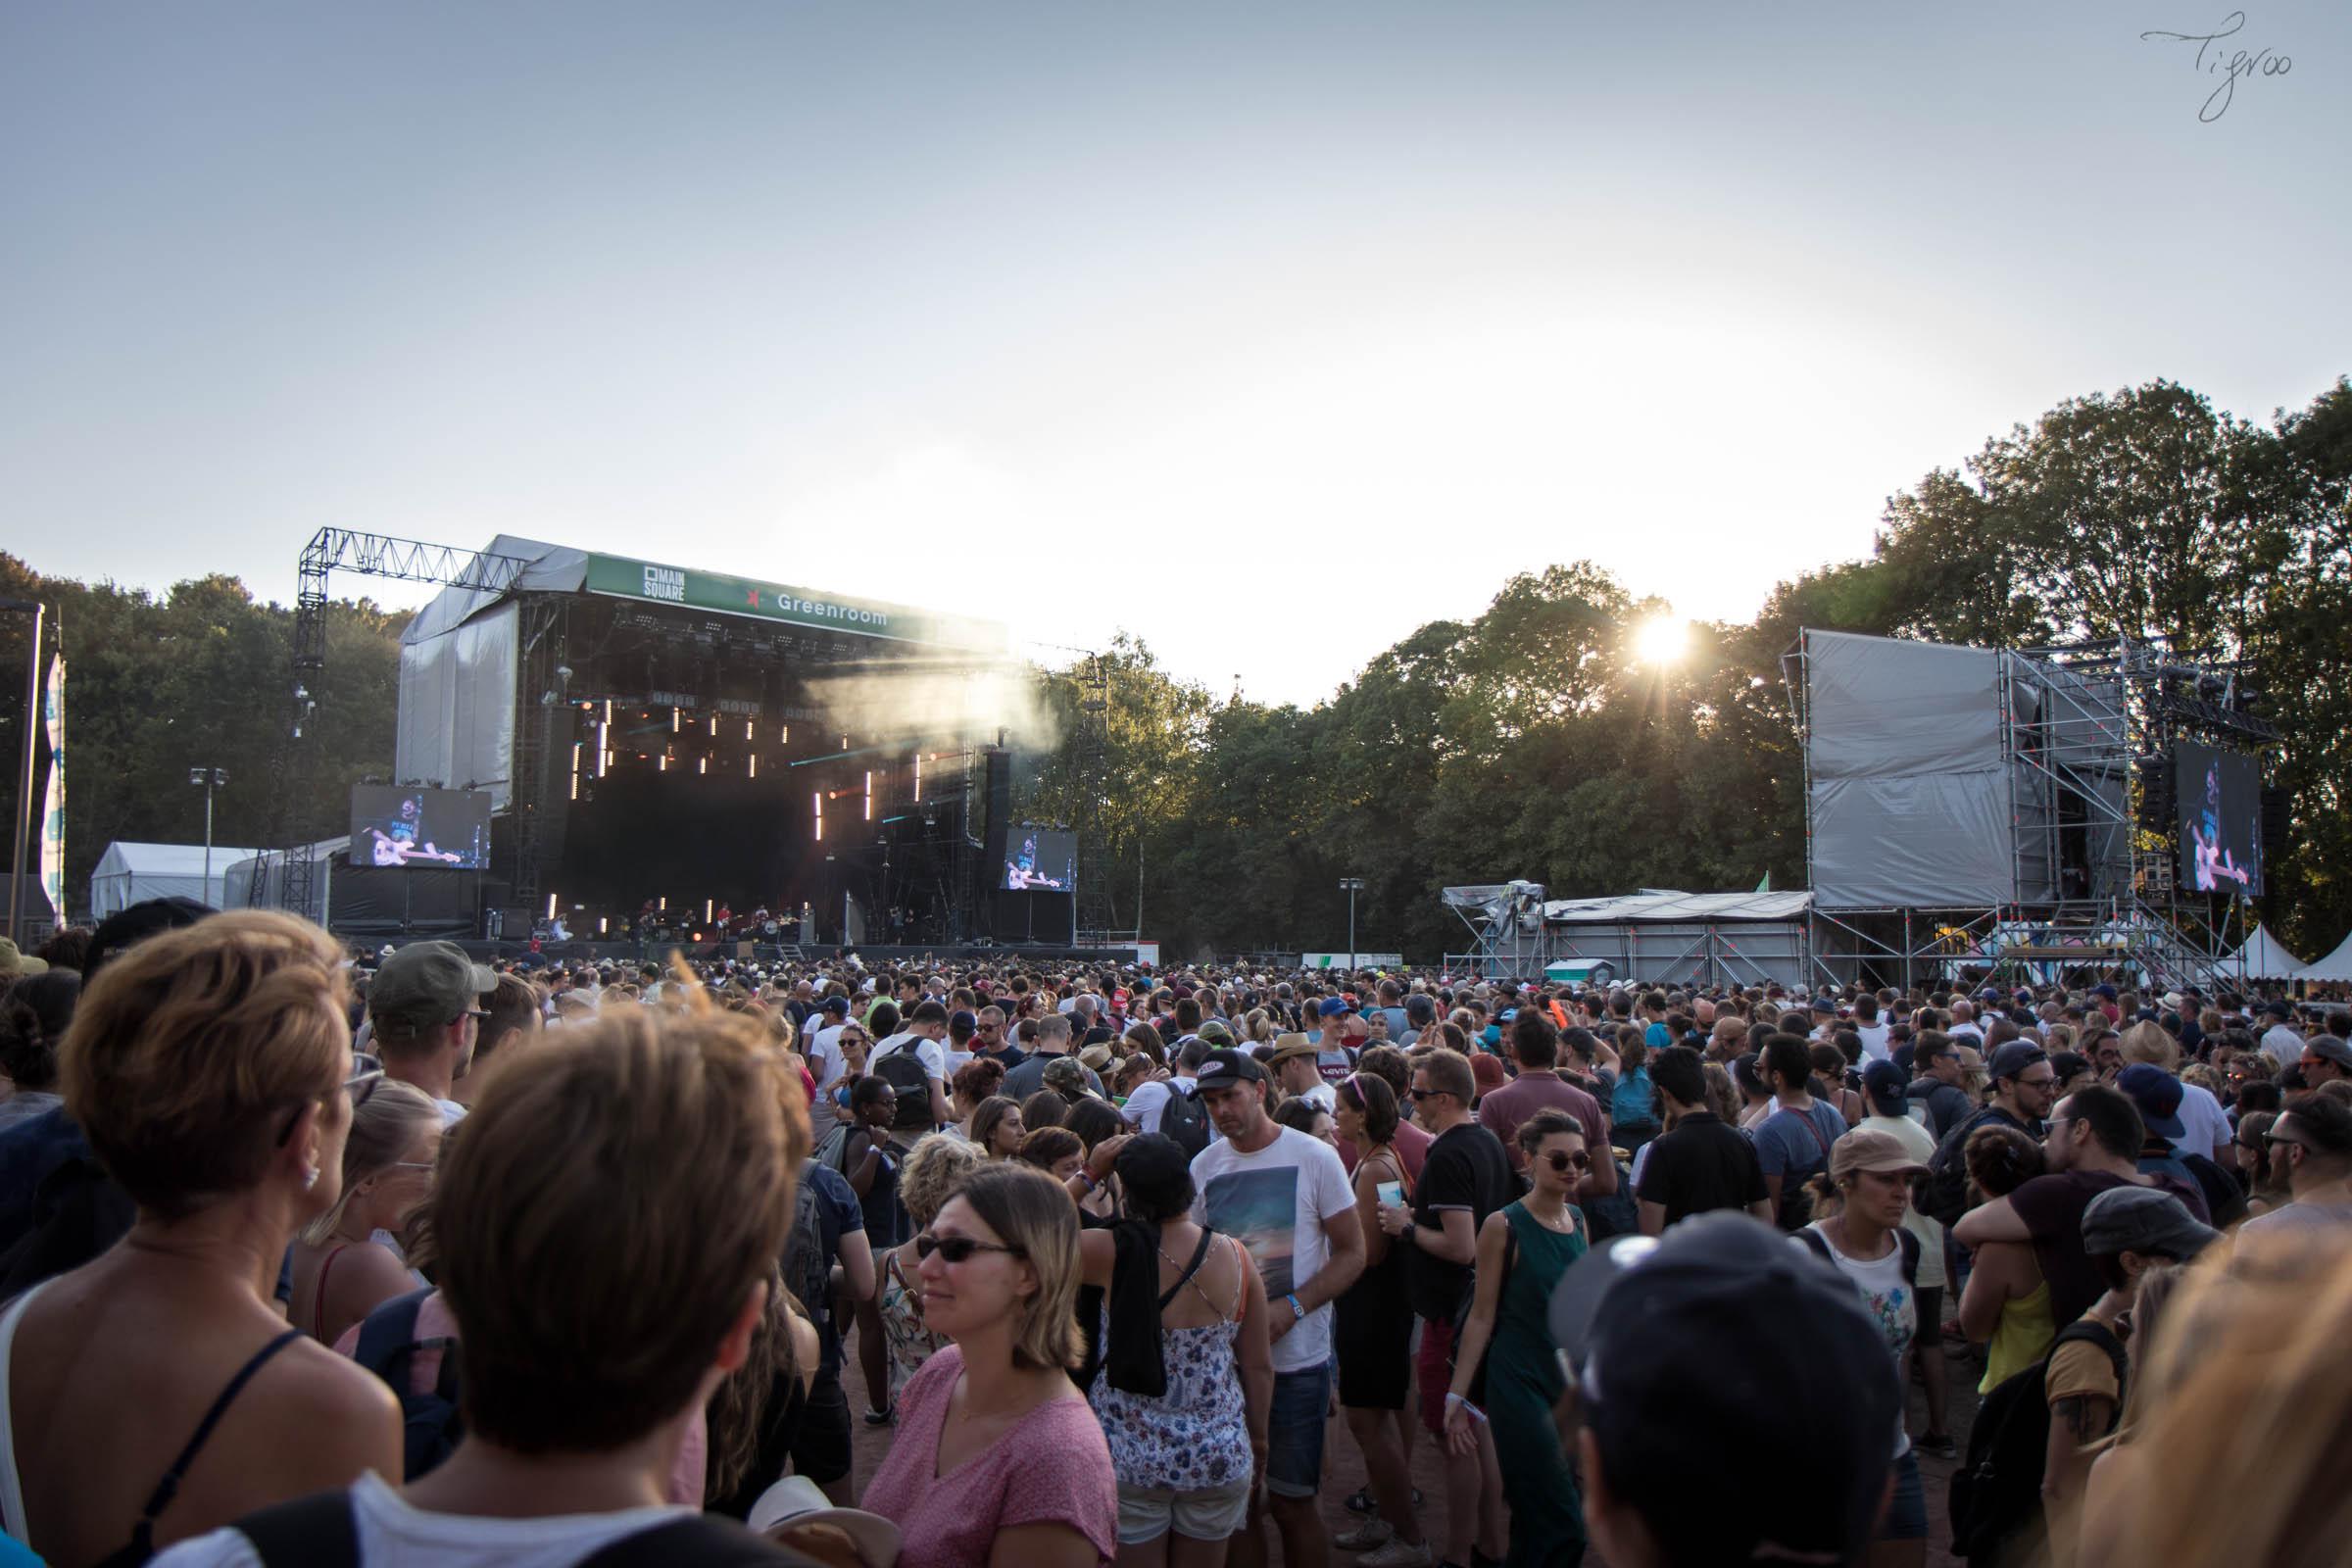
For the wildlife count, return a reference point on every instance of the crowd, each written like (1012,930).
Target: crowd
(417,1260)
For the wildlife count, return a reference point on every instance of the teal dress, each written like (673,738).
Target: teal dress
(1523,1385)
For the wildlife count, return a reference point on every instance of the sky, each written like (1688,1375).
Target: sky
(1266,334)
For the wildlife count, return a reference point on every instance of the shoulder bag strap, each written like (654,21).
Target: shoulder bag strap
(1200,1257)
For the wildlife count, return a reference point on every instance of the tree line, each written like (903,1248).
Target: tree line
(1529,742)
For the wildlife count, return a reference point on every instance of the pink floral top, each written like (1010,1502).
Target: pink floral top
(1052,1468)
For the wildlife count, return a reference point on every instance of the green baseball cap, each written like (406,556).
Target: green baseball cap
(427,983)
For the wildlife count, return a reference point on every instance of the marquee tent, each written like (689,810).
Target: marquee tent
(2262,958)
(2337,966)
(132,873)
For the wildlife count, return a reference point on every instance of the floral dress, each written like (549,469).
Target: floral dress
(1195,1437)
(910,1343)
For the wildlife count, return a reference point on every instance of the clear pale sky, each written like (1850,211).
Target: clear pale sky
(1267,332)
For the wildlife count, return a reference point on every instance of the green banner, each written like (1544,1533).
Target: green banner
(624,579)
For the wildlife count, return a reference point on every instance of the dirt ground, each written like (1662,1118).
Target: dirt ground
(1343,1467)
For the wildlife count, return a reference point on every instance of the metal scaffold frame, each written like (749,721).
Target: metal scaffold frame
(2086,729)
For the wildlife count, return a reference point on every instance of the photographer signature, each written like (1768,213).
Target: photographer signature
(2234,65)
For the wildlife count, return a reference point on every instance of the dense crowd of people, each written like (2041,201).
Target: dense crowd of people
(416,1259)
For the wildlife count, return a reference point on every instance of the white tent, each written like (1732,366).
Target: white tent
(134,873)
(2337,966)
(2263,957)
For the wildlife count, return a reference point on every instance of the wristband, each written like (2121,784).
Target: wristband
(1298,1313)
(1088,1177)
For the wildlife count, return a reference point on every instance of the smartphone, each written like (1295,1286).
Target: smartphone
(1390,1193)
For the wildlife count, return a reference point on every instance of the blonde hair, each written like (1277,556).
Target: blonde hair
(383,1125)
(934,1169)
(2151,1043)
(1031,1212)
(2260,1414)
(192,1055)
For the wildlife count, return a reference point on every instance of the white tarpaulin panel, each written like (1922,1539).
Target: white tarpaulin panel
(457,705)
(2337,966)
(132,873)
(2263,957)
(1909,801)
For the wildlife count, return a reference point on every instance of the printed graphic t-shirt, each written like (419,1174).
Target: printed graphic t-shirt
(1276,1202)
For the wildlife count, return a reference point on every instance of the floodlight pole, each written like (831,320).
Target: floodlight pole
(1352,885)
(208,779)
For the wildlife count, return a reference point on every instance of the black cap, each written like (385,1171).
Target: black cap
(2143,1219)
(2013,1059)
(1757,1348)
(1225,1068)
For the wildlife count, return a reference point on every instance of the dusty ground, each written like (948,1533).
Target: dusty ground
(1345,1470)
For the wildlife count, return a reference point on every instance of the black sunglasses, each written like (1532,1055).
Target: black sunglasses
(1561,1160)
(958,1249)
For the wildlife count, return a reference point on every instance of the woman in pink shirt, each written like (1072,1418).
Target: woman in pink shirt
(997,1459)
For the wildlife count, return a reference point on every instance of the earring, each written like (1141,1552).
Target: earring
(309,1178)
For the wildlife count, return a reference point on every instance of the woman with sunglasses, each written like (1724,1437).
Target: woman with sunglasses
(350,1258)
(2263,1175)
(169,1397)
(1523,1250)
(997,1459)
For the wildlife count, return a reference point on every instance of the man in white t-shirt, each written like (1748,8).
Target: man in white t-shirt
(1871,1027)
(2281,1042)
(923,1037)
(1149,1100)
(1285,1197)
(1964,1025)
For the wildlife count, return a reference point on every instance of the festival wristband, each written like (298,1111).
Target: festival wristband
(1298,1313)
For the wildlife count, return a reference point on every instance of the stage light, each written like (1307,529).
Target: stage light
(608,709)
(676,719)
(715,727)
(664,766)
(603,924)
(604,748)
(702,765)
(1661,640)
(747,729)
(755,764)
(709,907)
(820,817)
(918,776)
(870,795)
(784,734)
(551,905)
(663,903)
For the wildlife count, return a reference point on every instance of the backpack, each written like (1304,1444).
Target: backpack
(902,1069)
(1945,1196)
(320,1532)
(1185,1120)
(809,1254)
(1618,1214)
(1629,1102)
(1997,1492)
(833,1152)
(1797,1204)
(388,1344)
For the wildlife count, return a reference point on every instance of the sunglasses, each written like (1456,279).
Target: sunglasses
(1561,1160)
(2276,1142)
(1427,1094)
(957,1249)
(364,1082)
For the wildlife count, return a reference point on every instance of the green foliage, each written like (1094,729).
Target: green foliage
(1527,742)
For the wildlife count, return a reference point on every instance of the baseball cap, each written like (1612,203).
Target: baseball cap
(1486,1071)
(2104,990)
(1883,1082)
(1288,1045)
(1066,1075)
(1226,1068)
(1334,1007)
(2276,1009)
(796,1502)
(1214,1031)
(426,984)
(2143,1219)
(2013,1059)
(837,1005)
(1758,1348)
(2330,1049)
(2157,1094)
(1868,1149)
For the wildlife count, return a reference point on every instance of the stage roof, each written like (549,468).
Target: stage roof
(1655,905)
(558,568)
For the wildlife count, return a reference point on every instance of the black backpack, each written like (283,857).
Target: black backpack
(1997,1492)
(902,1070)
(1618,1214)
(388,1344)
(1184,1119)
(808,1255)
(1944,1198)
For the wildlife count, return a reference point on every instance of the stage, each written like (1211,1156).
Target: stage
(767,956)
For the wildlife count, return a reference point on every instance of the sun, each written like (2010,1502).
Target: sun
(1661,640)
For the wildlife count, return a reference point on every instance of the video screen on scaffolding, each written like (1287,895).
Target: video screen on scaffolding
(1039,860)
(2221,820)
(438,829)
